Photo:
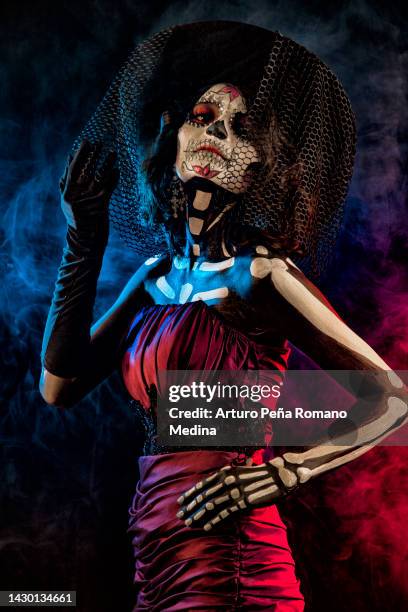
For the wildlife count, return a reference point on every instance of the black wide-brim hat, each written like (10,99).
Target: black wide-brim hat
(284,83)
(199,55)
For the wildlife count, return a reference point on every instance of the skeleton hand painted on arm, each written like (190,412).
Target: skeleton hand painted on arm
(326,338)
(236,488)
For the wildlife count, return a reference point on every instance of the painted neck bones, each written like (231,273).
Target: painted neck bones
(212,151)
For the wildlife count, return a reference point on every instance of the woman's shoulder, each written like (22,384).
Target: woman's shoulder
(268,261)
(156,265)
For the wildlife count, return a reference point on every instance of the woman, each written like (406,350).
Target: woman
(249,170)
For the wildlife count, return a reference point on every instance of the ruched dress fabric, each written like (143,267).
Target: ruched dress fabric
(245,563)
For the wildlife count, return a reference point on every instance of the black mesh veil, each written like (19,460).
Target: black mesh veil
(315,120)
(296,105)
(116,124)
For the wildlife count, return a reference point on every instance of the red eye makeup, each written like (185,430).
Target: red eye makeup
(203,113)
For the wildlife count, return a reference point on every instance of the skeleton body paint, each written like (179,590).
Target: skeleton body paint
(233,488)
(262,279)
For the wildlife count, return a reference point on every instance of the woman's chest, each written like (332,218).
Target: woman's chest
(216,283)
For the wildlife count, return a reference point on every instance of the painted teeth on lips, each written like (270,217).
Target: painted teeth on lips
(211,149)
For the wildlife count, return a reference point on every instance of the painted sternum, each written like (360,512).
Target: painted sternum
(211,282)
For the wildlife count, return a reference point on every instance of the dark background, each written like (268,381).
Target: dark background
(66,479)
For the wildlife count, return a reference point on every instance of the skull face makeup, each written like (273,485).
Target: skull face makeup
(211,143)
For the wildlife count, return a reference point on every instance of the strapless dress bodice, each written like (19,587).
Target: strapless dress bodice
(192,336)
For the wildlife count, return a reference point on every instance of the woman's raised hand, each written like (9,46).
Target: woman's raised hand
(86,188)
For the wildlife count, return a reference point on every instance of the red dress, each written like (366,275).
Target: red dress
(243,564)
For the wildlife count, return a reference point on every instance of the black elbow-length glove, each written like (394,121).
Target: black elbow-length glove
(86,189)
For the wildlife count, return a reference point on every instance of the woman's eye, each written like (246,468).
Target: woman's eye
(240,122)
(202,114)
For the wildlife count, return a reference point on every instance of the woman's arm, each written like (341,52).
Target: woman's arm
(106,346)
(308,320)
(314,327)
(76,358)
